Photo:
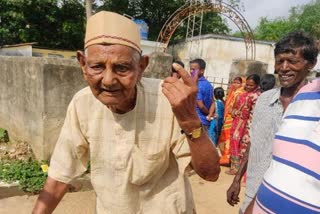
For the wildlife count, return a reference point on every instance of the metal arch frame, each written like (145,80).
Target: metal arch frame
(208,6)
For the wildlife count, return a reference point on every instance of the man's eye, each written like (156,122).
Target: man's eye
(293,61)
(97,67)
(121,68)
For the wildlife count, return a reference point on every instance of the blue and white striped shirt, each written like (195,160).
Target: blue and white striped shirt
(292,182)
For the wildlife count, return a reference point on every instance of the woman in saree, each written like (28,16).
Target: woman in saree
(235,90)
(242,115)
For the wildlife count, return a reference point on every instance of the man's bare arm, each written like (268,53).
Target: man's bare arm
(50,196)
(234,189)
(205,158)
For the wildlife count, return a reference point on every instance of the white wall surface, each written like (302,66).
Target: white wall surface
(219,53)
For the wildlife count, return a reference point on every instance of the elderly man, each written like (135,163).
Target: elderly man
(130,129)
(295,55)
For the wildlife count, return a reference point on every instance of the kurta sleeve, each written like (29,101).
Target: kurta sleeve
(70,156)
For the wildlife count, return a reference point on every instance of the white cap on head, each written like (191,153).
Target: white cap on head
(111,28)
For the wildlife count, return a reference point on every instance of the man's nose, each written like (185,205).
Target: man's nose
(108,77)
(285,65)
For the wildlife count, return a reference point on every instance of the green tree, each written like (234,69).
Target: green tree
(119,6)
(305,18)
(213,23)
(28,21)
(154,12)
(273,30)
(309,19)
(157,12)
(71,19)
(50,23)
(61,23)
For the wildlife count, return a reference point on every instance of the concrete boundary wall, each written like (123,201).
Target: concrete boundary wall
(35,93)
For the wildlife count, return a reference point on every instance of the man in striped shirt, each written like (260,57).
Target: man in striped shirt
(292,182)
(295,55)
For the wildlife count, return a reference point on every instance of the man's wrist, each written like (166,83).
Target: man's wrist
(237,178)
(195,134)
(189,127)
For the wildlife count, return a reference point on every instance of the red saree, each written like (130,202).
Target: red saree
(240,128)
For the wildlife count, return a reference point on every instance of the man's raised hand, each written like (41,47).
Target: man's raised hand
(182,97)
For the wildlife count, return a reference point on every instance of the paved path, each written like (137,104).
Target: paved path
(210,198)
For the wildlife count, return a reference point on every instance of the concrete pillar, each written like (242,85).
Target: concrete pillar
(159,65)
(244,68)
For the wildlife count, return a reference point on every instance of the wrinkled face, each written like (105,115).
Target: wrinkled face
(291,68)
(112,72)
(250,85)
(236,84)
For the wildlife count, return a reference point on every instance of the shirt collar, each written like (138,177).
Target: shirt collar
(276,96)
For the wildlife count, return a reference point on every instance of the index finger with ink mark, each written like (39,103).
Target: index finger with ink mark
(183,73)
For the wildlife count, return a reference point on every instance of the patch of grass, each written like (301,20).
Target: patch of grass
(30,174)
(4,137)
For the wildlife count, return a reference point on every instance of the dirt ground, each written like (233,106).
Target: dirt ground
(210,198)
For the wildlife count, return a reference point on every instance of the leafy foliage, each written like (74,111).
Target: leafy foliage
(309,19)
(305,18)
(71,25)
(51,23)
(157,12)
(273,30)
(61,23)
(214,24)
(29,174)
(154,12)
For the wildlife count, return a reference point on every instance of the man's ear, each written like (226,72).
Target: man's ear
(82,62)
(312,64)
(144,62)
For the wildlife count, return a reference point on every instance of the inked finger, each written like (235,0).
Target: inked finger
(183,73)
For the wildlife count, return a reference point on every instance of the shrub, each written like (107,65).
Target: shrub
(30,174)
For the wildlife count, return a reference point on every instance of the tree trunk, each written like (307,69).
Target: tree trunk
(88,8)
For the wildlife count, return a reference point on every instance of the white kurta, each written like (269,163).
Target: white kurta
(138,159)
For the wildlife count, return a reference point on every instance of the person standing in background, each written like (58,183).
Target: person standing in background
(295,55)
(292,182)
(235,90)
(205,91)
(216,113)
(242,115)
